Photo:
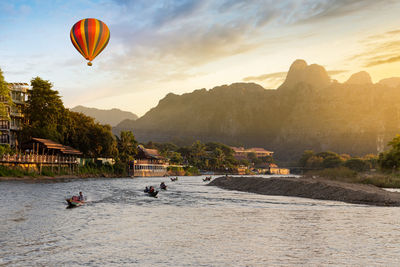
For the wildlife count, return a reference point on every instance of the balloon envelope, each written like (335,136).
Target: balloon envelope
(90,37)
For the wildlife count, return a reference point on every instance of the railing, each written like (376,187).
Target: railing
(145,161)
(38,159)
(16,114)
(15,127)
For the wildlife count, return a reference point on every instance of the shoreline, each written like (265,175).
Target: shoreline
(313,188)
(57,178)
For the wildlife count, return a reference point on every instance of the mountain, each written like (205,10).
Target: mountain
(360,78)
(308,111)
(110,116)
(390,82)
(299,72)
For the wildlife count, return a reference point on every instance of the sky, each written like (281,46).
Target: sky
(158,47)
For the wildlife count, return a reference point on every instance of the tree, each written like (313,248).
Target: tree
(330,159)
(91,138)
(45,112)
(176,158)
(307,154)
(127,146)
(5,98)
(48,118)
(357,164)
(390,160)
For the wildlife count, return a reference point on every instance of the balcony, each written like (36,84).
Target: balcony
(16,114)
(15,128)
(18,101)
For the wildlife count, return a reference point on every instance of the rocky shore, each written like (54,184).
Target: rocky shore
(311,188)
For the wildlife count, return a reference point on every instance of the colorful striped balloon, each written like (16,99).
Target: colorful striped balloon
(90,37)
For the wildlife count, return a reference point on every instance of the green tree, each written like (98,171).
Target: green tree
(127,146)
(91,138)
(307,154)
(5,98)
(176,158)
(218,158)
(357,164)
(330,159)
(45,112)
(390,160)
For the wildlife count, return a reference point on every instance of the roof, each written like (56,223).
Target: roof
(151,153)
(20,87)
(250,150)
(49,144)
(21,84)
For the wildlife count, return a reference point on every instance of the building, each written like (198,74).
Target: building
(148,162)
(12,123)
(274,169)
(41,153)
(242,153)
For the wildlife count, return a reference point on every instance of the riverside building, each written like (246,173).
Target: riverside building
(12,122)
(242,153)
(148,162)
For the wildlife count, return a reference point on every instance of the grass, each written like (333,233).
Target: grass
(344,174)
(15,172)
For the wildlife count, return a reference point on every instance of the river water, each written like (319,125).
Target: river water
(190,224)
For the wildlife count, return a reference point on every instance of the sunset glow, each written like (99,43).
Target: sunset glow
(157,47)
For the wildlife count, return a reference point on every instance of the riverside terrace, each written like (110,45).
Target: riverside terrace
(40,153)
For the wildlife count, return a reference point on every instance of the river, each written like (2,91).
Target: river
(189,224)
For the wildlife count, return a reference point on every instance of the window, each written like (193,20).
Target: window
(4,138)
(4,124)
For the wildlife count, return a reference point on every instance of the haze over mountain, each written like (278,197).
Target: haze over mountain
(110,116)
(308,111)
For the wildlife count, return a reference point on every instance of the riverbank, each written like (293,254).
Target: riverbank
(57,178)
(311,188)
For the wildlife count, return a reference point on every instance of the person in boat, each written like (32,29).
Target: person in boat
(81,197)
(163,186)
(151,189)
(146,189)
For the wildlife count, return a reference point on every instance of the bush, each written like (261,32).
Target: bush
(357,164)
(340,174)
(191,170)
(15,172)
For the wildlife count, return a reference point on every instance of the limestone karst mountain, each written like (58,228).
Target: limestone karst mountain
(111,116)
(360,78)
(299,72)
(308,111)
(390,82)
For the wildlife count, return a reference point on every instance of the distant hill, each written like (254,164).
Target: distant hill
(308,111)
(110,116)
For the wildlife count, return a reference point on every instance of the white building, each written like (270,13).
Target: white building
(12,123)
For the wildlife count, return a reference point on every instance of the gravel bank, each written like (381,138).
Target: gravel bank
(311,188)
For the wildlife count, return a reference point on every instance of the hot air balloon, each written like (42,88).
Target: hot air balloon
(90,37)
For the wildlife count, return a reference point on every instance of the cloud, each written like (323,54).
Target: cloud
(330,9)
(282,75)
(169,40)
(383,61)
(336,72)
(379,49)
(196,32)
(263,77)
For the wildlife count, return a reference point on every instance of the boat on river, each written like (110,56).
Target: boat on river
(207,179)
(163,186)
(150,193)
(74,202)
(174,179)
